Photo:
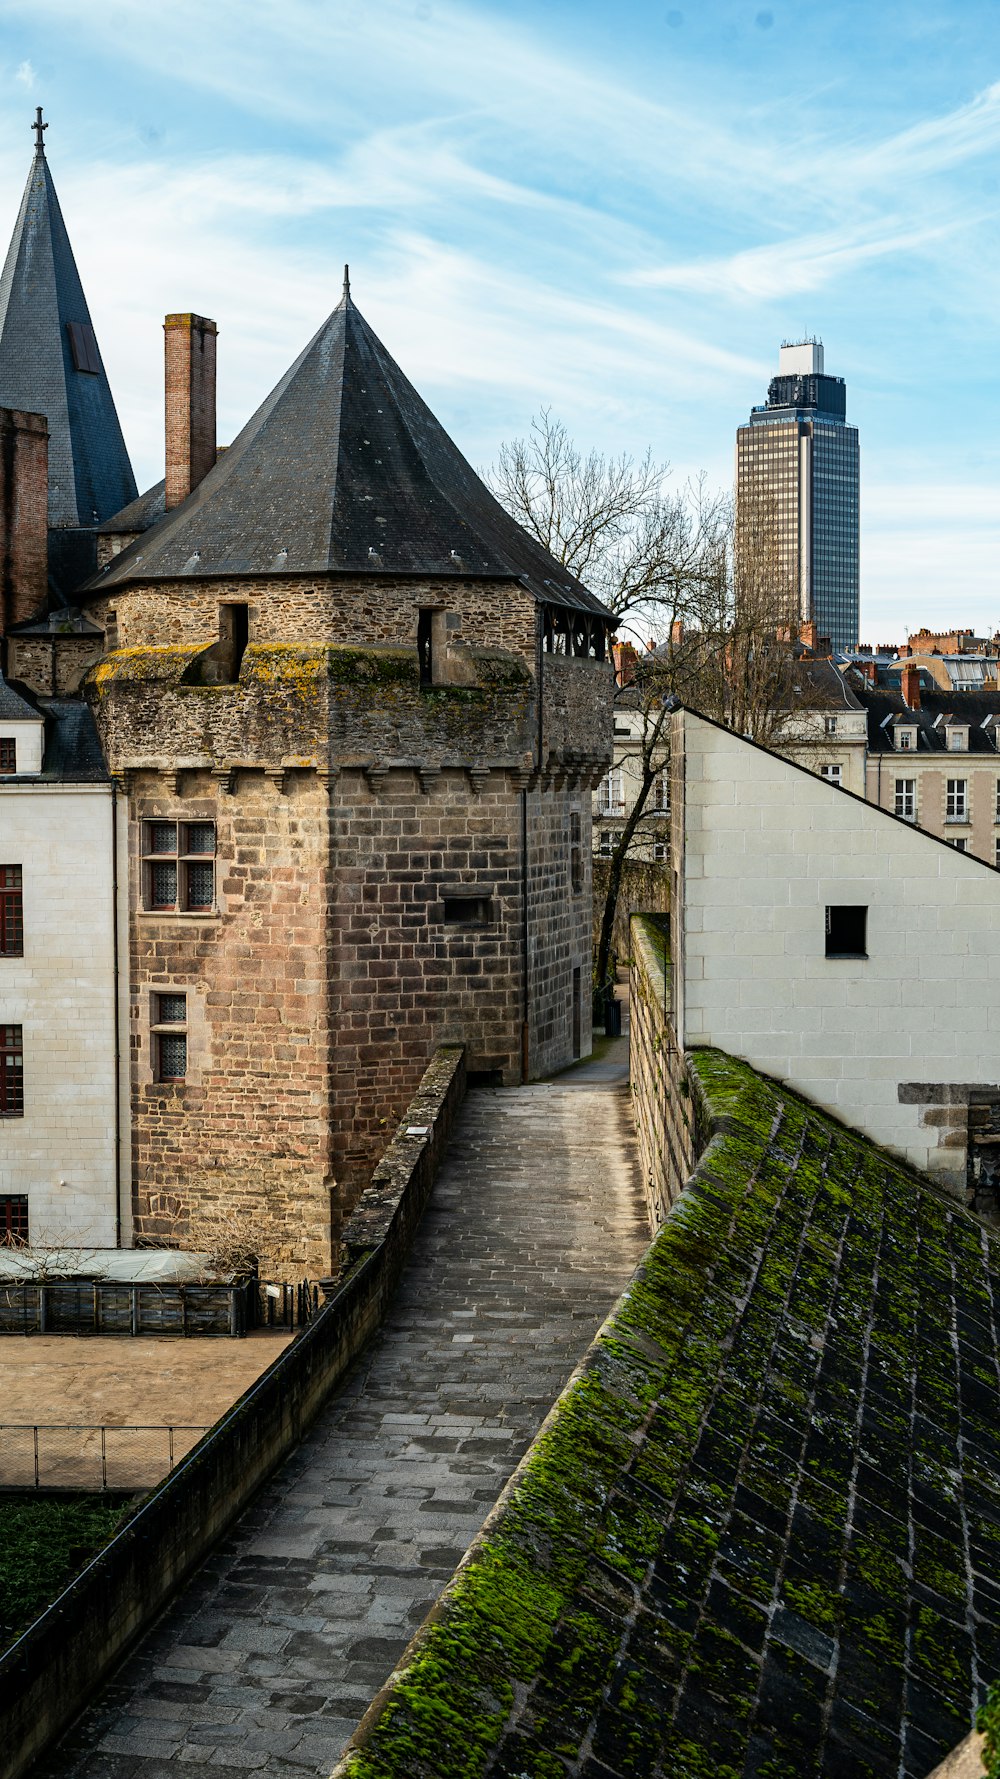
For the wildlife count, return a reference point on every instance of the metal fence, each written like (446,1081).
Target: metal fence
(67,1457)
(94,1306)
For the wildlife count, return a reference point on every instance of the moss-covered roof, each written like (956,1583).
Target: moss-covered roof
(760,1533)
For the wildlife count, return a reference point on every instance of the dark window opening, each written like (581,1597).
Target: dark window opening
(467,910)
(575,853)
(11,912)
(8,756)
(111,632)
(13,1219)
(234,635)
(83,346)
(11,1072)
(577,1014)
(846,931)
(425,645)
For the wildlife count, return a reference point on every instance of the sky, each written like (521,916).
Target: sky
(617,212)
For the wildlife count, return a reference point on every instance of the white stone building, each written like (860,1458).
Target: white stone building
(839,949)
(64,1108)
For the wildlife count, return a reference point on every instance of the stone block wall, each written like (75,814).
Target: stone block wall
(665,1110)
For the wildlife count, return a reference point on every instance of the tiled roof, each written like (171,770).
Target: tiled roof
(961,707)
(14,707)
(140,514)
(345,468)
(90,475)
(759,1533)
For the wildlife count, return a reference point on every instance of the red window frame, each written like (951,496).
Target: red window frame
(13,1219)
(11,912)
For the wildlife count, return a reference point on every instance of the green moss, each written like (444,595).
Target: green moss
(349,665)
(988,1723)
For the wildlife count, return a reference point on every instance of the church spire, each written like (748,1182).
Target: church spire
(50,364)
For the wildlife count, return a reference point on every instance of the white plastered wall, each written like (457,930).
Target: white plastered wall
(760,848)
(63,1152)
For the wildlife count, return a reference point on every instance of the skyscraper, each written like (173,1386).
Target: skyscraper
(797,497)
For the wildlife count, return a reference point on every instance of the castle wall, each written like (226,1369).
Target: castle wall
(354,811)
(286,609)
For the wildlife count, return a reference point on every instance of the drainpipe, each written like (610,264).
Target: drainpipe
(118,1045)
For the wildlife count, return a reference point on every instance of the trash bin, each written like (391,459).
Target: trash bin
(612,1018)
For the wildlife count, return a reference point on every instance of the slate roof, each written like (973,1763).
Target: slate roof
(90,476)
(963,707)
(72,748)
(14,707)
(344,468)
(146,510)
(759,1534)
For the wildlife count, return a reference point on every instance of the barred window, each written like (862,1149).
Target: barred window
(11,912)
(11,1072)
(179,867)
(169,1037)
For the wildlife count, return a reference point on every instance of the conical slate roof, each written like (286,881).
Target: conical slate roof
(345,468)
(45,332)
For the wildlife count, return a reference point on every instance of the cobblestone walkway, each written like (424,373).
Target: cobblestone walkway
(275,1650)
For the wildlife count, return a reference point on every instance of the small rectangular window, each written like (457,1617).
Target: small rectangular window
(829,725)
(997,815)
(575,852)
(467,910)
(956,740)
(906,798)
(846,931)
(832,774)
(13,1219)
(11,1072)
(959,845)
(904,740)
(11,912)
(179,867)
(169,1037)
(8,756)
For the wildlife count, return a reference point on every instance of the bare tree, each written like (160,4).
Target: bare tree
(645,549)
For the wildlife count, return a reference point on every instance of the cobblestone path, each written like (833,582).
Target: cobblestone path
(274,1651)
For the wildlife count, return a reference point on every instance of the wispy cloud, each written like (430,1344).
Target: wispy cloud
(25,73)
(791,267)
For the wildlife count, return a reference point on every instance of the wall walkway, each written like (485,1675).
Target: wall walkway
(276,1649)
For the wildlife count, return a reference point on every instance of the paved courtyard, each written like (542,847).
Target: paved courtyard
(273,1653)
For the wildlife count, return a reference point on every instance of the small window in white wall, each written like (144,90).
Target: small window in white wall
(846,930)
(829,725)
(906,799)
(906,740)
(959,845)
(832,774)
(996,816)
(957,800)
(8,757)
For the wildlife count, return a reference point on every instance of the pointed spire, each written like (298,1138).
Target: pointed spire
(50,364)
(347,284)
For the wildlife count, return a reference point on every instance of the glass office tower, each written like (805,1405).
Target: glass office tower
(797,474)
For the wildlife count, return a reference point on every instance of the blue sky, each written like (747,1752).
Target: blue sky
(615,211)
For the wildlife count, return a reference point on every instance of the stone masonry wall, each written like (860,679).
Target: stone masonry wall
(350,802)
(247,1133)
(666,1112)
(311,608)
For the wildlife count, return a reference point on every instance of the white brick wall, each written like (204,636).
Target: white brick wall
(61,992)
(760,849)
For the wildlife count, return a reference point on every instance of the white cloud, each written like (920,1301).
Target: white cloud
(793,267)
(26,75)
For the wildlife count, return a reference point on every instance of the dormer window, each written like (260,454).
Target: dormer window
(906,740)
(958,740)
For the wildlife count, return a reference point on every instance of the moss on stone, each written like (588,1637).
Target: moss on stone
(733,1457)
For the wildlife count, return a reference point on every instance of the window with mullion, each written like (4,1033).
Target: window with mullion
(179,865)
(11,912)
(11,1072)
(170,1037)
(957,800)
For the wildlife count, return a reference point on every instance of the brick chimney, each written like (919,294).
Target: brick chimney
(677,632)
(909,685)
(24,516)
(808,636)
(189,362)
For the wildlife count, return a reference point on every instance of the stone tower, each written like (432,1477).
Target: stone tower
(358,713)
